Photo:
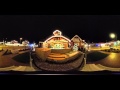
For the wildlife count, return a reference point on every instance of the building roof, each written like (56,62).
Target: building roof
(57,33)
(76,38)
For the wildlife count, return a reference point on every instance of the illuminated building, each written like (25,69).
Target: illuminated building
(13,42)
(78,41)
(57,41)
(26,42)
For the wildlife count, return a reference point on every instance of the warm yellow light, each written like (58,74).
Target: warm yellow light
(112,35)
(20,38)
(57,33)
(112,56)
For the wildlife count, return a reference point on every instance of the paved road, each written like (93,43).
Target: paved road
(7,60)
(98,48)
(113,60)
(91,67)
(18,68)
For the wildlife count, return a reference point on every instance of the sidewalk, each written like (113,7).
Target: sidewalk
(6,60)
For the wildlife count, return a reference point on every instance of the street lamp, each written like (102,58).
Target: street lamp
(114,36)
(6,39)
(20,40)
(3,41)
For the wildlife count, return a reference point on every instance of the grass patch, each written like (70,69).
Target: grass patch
(96,56)
(23,58)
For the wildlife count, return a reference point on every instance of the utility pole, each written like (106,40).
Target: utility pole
(116,39)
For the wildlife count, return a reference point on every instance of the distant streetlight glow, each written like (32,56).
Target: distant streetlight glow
(20,40)
(112,35)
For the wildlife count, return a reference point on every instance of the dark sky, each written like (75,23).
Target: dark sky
(93,28)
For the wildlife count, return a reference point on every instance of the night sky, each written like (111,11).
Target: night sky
(92,28)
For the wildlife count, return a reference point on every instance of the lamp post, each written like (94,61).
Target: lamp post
(6,40)
(114,36)
(3,41)
(20,40)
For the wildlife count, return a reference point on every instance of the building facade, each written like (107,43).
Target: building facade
(57,41)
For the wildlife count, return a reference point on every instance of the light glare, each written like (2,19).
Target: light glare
(112,35)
